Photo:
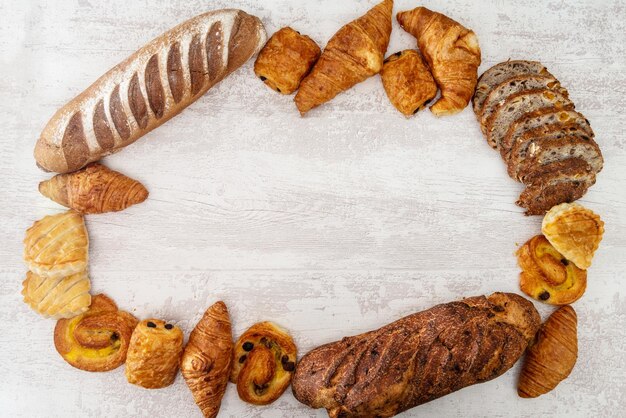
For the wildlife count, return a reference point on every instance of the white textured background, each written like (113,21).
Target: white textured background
(329,225)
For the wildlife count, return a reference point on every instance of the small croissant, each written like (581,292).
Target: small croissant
(353,54)
(452,53)
(94,189)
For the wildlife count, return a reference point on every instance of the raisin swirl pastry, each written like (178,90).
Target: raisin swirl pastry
(153,354)
(97,340)
(263,363)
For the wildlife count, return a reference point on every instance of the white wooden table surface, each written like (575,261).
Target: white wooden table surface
(330,225)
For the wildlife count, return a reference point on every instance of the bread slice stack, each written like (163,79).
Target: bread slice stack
(546,144)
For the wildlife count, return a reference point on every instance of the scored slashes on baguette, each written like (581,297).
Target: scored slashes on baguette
(148,88)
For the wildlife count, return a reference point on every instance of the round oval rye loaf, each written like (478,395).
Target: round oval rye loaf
(543,119)
(148,88)
(418,358)
(519,104)
(498,74)
(512,86)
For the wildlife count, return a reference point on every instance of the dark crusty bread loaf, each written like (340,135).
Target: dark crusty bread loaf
(498,74)
(512,86)
(538,121)
(418,358)
(519,104)
(555,183)
(148,88)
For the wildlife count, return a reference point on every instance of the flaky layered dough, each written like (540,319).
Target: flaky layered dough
(353,54)
(452,53)
(94,189)
(418,358)
(207,359)
(97,340)
(63,297)
(263,362)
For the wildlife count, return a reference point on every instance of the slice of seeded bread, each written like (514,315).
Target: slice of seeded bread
(500,72)
(519,152)
(559,182)
(545,151)
(537,120)
(519,104)
(515,85)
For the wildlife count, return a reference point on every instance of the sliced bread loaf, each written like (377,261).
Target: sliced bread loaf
(500,72)
(519,104)
(515,85)
(538,120)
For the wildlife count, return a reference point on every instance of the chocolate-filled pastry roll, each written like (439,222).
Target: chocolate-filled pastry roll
(408,82)
(286,59)
(154,354)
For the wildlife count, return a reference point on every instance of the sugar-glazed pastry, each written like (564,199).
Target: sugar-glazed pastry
(97,340)
(263,363)
(553,355)
(547,275)
(286,59)
(154,354)
(207,359)
(408,82)
(64,297)
(57,245)
(574,231)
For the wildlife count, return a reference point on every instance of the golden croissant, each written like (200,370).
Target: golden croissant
(207,359)
(353,54)
(452,53)
(94,189)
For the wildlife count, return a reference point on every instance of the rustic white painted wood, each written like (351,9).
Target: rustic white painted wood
(330,225)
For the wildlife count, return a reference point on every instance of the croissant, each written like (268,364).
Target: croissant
(207,359)
(553,356)
(94,189)
(353,54)
(264,361)
(65,297)
(452,53)
(97,340)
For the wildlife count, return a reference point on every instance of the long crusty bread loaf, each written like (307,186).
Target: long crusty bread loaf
(417,358)
(148,88)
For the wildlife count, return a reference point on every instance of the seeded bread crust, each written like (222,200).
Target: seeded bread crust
(517,156)
(512,86)
(544,118)
(499,73)
(518,105)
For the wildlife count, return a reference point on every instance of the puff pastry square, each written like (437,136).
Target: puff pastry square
(64,297)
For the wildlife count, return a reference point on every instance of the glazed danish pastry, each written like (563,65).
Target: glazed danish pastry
(263,363)
(57,245)
(57,298)
(97,340)
(153,354)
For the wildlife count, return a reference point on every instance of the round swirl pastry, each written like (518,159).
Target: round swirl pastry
(263,363)
(97,340)
(547,275)
(153,354)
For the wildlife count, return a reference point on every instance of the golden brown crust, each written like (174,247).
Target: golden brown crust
(408,82)
(452,53)
(57,245)
(417,358)
(68,141)
(97,340)
(64,297)
(352,55)
(574,231)
(547,275)
(264,359)
(94,189)
(286,59)
(207,359)
(154,353)
(552,357)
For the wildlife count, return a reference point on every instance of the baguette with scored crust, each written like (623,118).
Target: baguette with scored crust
(148,88)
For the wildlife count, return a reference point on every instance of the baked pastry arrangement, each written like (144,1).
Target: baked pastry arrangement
(528,117)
